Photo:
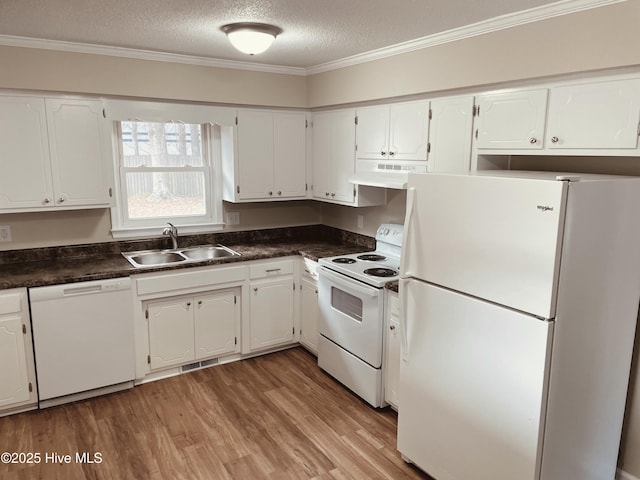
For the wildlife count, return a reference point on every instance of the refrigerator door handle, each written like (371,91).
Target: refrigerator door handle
(411,199)
(404,319)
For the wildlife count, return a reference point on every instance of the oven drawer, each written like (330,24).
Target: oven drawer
(271,269)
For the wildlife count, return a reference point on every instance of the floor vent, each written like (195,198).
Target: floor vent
(191,366)
(206,363)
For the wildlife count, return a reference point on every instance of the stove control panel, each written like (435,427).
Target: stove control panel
(390,233)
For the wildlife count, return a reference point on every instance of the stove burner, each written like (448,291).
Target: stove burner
(381,272)
(372,257)
(344,260)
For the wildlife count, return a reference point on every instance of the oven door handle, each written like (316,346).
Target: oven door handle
(348,284)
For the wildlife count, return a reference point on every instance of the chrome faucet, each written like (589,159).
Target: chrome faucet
(172,231)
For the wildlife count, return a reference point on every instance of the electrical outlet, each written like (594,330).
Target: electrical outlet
(233,218)
(5,233)
(360,219)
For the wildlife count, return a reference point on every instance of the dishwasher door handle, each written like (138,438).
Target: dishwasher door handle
(82,290)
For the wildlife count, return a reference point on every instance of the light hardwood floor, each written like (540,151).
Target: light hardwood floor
(277,416)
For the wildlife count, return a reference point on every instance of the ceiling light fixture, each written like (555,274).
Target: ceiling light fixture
(251,38)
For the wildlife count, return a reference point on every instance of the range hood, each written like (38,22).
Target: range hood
(380,179)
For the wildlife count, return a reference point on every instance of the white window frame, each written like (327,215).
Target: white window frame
(210,119)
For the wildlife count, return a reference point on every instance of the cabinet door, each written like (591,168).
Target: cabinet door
(271,313)
(80,152)
(309,331)
(450,135)
(392,351)
(599,115)
(409,131)
(290,147)
(512,120)
(217,324)
(170,332)
(14,376)
(25,171)
(372,132)
(334,155)
(255,154)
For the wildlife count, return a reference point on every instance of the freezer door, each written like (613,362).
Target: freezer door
(472,386)
(496,238)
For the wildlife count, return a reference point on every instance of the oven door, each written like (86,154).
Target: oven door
(351,315)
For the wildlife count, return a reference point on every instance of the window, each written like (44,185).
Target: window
(166,173)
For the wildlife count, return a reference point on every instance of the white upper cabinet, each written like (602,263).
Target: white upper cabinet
(54,154)
(270,158)
(450,135)
(334,142)
(601,115)
(394,132)
(513,120)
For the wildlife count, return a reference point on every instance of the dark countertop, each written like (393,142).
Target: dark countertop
(59,266)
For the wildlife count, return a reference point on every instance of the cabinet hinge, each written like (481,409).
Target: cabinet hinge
(428,147)
(146,314)
(476,110)
(476,133)
(24,329)
(104,113)
(235,300)
(294,286)
(430,114)
(237,188)
(356,119)
(354,193)
(235,340)
(30,387)
(306,187)
(306,124)
(293,330)
(236,120)
(639,129)
(110,192)
(149,359)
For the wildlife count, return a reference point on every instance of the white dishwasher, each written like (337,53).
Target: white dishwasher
(83,339)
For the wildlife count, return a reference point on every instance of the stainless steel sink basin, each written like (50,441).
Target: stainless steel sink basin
(207,252)
(159,258)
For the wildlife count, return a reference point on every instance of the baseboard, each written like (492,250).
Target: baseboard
(622,475)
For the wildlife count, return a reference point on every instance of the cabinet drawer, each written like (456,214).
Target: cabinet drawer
(10,302)
(270,269)
(310,269)
(394,305)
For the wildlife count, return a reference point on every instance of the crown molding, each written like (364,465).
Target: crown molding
(563,7)
(26,42)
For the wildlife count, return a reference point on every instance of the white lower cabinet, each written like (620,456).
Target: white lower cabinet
(392,349)
(185,329)
(17,374)
(309,310)
(272,295)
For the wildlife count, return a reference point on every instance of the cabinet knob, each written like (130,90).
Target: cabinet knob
(533,140)
(555,139)
(255,289)
(384,154)
(61,199)
(391,154)
(270,193)
(326,194)
(392,327)
(279,192)
(333,194)
(47,200)
(199,302)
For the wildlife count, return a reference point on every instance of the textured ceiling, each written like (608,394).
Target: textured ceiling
(314,31)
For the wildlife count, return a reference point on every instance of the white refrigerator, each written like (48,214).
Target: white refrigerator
(520,295)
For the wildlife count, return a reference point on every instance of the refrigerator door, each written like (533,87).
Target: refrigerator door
(472,386)
(496,238)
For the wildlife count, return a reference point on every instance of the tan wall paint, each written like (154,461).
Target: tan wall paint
(602,38)
(77,227)
(48,70)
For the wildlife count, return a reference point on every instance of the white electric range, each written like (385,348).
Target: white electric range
(351,323)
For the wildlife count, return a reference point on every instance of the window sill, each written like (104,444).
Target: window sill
(146,232)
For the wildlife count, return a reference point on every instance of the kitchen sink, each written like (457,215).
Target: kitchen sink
(159,258)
